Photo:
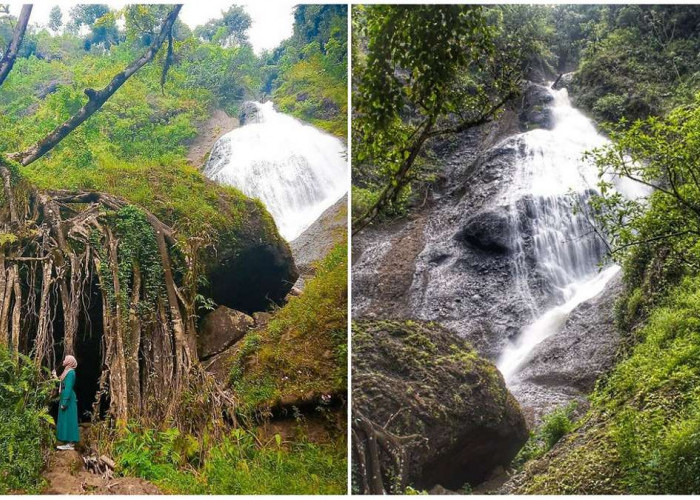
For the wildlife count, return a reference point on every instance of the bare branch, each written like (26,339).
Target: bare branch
(8,59)
(96,98)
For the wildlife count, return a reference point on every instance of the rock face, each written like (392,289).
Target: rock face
(565,366)
(249,113)
(489,230)
(319,238)
(535,113)
(220,329)
(418,379)
(255,268)
(451,262)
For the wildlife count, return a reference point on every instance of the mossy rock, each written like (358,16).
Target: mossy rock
(420,379)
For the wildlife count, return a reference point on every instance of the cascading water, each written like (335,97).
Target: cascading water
(296,170)
(555,246)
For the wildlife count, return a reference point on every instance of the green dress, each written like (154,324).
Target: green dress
(67,428)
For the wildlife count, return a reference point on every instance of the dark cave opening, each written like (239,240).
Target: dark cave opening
(253,281)
(89,353)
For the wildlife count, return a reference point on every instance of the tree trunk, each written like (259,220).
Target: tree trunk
(133,345)
(96,98)
(16,310)
(8,59)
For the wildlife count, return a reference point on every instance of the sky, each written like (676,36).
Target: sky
(271,24)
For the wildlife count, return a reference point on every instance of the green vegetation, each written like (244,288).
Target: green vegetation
(25,424)
(554,426)
(641,435)
(312,81)
(136,148)
(302,353)
(234,465)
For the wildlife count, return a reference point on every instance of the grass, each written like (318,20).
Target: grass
(642,434)
(303,350)
(235,465)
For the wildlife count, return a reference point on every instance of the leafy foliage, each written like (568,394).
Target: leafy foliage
(422,72)
(636,60)
(236,465)
(656,236)
(555,426)
(309,72)
(304,347)
(25,424)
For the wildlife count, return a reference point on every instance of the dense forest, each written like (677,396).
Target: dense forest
(430,125)
(117,249)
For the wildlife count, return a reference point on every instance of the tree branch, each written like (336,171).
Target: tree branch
(8,59)
(96,98)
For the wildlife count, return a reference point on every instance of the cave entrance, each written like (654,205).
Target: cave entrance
(253,281)
(89,352)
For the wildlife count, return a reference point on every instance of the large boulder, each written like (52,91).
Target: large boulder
(220,329)
(418,379)
(536,112)
(253,268)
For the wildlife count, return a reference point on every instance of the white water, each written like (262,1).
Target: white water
(296,170)
(551,174)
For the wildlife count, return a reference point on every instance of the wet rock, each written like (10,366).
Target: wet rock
(490,230)
(319,238)
(535,113)
(417,267)
(565,366)
(249,113)
(418,379)
(220,329)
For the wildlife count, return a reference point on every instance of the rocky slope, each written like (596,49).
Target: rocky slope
(319,238)
(565,366)
(453,261)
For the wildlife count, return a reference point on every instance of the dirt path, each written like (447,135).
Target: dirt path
(66,475)
(217,125)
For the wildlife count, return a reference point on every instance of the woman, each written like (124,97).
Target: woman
(67,428)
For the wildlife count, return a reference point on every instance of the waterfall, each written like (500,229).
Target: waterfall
(555,247)
(296,170)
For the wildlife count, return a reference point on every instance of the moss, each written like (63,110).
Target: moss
(302,353)
(640,435)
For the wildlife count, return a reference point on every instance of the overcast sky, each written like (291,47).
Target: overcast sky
(272,23)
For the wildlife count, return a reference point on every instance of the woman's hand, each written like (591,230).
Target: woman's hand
(63,407)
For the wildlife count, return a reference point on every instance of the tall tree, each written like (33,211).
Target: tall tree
(55,18)
(230,30)
(429,71)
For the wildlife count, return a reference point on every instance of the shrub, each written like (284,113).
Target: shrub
(25,424)
(554,426)
(235,465)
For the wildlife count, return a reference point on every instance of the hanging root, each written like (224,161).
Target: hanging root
(381,458)
(54,245)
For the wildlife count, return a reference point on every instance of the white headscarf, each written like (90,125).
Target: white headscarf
(69,363)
